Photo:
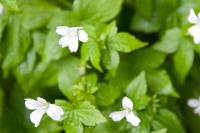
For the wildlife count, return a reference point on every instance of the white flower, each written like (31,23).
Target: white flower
(40,107)
(195,29)
(127,112)
(70,36)
(1,9)
(195,103)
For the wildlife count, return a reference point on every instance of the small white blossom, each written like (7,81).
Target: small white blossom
(70,37)
(127,112)
(195,103)
(1,9)
(40,107)
(194,31)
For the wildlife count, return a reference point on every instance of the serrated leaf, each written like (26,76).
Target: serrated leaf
(125,42)
(73,125)
(84,112)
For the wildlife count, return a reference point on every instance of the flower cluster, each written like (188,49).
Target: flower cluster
(70,37)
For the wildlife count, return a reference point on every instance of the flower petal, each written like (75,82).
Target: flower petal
(36,116)
(195,32)
(32,104)
(133,119)
(117,116)
(73,44)
(127,103)
(1,9)
(63,41)
(41,100)
(83,36)
(197,110)
(193,103)
(55,112)
(62,30)
(192,18)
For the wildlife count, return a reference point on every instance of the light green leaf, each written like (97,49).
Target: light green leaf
(90,50)
(110,59)
(68,76)
(73,125)
(41,12)
(107,94)
(183,59)
(159,82)
(137,90)
(96,11)
(84,112)
(170,41)
(109,31)
(125,42)
(11,5)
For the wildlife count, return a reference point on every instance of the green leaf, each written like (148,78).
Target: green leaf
(124,42)
(144,4)
(96,11)
(107,94)
(144,126)
(41,12)
(38,42)
(68,76)
(84,112)
(25,70)
(146,59)
(11,5)
(137,90)
(170,41)
(109,31)
(183,59)
(141,24)
(17,45)
(52,49)
(73,125)
(160,131)
(110,59)
(90,50)
(159,82)
(88,115)
(167,119)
